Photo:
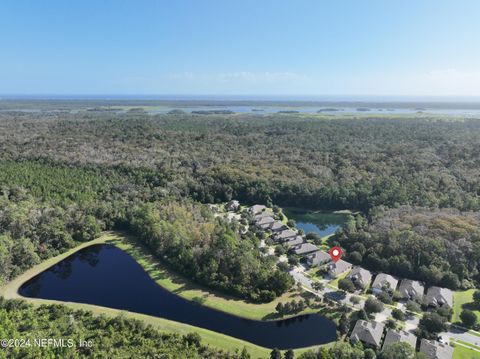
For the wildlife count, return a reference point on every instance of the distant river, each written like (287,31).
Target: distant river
(260,110)
(107,276)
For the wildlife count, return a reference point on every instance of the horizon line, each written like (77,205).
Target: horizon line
(243,97)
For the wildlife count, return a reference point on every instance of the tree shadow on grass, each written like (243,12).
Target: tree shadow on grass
(470,306)
(159,270)
(336,296)
(272,316)
(200,299)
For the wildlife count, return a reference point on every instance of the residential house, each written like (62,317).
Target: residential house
(435,350)
(439,297)
(411,290)
(256,209)
(260,215)
(360,277)
(285,235)
(233,205)
(336,268)
(295,241)
(305,248)
(318,258)
(370,333)
(394,336)
(277,226)
(384,282)
(264,222)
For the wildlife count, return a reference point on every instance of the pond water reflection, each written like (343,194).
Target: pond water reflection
(107,276)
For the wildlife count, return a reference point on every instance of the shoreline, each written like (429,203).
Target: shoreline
(120,240)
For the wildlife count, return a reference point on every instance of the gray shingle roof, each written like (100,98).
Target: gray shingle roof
(339,267)
(368,332)
(400,336)
(436,350)
(257,208)
(260,215)
(411,289)
(285,234)
(295,241)
(438,297)
(277,225)
(317,258)
(360,276)
(382,280)
(305,248)
(264,220)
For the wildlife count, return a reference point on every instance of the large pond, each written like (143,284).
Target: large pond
(107,276)
(322,223)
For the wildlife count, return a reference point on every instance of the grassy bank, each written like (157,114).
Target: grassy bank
(463,300)
(464,352)
(183,287)
(169,281)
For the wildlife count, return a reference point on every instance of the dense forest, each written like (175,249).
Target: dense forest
(111,337)
(66,176)
(437,246)
(209,250)
(356,163)
(31,231)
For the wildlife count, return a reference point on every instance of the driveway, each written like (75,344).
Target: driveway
(300,277)
(411,321)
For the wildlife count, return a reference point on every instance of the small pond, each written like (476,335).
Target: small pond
(107,276)
(322,223)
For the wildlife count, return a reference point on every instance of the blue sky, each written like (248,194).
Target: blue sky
(247,47)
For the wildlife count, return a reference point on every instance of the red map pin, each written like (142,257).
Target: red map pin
(335,253)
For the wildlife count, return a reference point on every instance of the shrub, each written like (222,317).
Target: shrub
(468,318)
(346,285)
(373,305)
(398,314)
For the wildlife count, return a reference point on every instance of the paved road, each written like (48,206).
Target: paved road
(460,334)
(411,322)
(299,277)
(329,292)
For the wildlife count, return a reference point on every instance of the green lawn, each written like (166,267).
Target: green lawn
(334,283)
(183,287)
(461,352)
(284,216)
(171,282)
(463,300)
(326,238)
(312,273)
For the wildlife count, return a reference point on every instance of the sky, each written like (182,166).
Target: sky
(247,47)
